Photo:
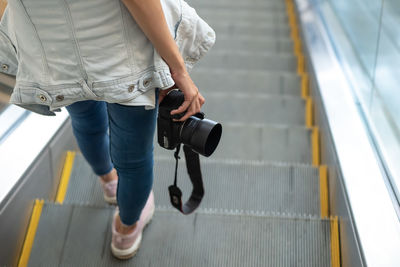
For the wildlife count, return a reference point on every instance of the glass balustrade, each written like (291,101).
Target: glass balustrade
(366,38)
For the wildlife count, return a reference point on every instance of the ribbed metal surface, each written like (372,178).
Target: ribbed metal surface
(79,236)
(231,5)
(254,108)
(247,186)
(261,44)
(84,186)
(243,27)
(260,142)
(250,61)
(242,81)
(213,16)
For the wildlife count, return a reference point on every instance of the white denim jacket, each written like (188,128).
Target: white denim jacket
(63,51)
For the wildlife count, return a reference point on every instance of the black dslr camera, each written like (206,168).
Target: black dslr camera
(200,134)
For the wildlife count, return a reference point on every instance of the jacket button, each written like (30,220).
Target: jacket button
(43,98)
(146,83)
(190,59)
(60,98)
(4,67)
(131,88)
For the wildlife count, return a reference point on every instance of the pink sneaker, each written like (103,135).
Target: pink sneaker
(110,191)
(125,246)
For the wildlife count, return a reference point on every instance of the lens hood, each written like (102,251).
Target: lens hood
(204,137)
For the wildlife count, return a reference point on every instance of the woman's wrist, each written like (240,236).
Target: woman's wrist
(177,68)
(180,75)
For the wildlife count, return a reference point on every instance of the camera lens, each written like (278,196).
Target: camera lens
(202,136)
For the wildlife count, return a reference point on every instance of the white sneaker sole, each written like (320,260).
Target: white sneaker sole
(128,253)
(110,200)
(124,254)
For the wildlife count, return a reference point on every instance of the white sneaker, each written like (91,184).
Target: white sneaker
(125,246)
(110,191)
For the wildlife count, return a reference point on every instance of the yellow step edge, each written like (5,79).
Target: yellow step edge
(300,64)
(290,7)
(66,173)
(309,116)
(290,11)
(294,30)
(335,247)
(315,135)
(297,48)
(323,191)
(292,20)
(305,86)
(30,235)
(295,35)
(315,146)
(296,41)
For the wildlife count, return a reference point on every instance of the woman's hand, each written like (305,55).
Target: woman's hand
(193,99)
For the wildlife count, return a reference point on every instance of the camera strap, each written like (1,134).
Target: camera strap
(193,169)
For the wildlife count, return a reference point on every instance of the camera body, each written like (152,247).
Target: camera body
(200,134)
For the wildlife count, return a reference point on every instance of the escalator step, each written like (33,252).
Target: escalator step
(254,108)
(231,5)
(243,27)
(213,16)
(250,43)
(250,61)
(247,186)
(71,235)
(231,81)
(261,142)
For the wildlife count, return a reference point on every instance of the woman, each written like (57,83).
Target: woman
(109,62)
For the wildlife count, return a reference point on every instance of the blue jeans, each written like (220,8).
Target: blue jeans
(128,148)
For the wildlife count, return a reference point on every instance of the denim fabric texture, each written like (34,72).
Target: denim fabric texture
(128,147)
(64,51)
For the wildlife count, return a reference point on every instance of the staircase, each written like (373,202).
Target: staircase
(266,200)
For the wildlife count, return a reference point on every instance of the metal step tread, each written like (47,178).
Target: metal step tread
(254,108)
(232,11)
(64,238)
(250,60)
(253,29)
(244,43)
(232,5)
(276,19)
(250,187)
(276,27)
(244,81)
(262,142)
